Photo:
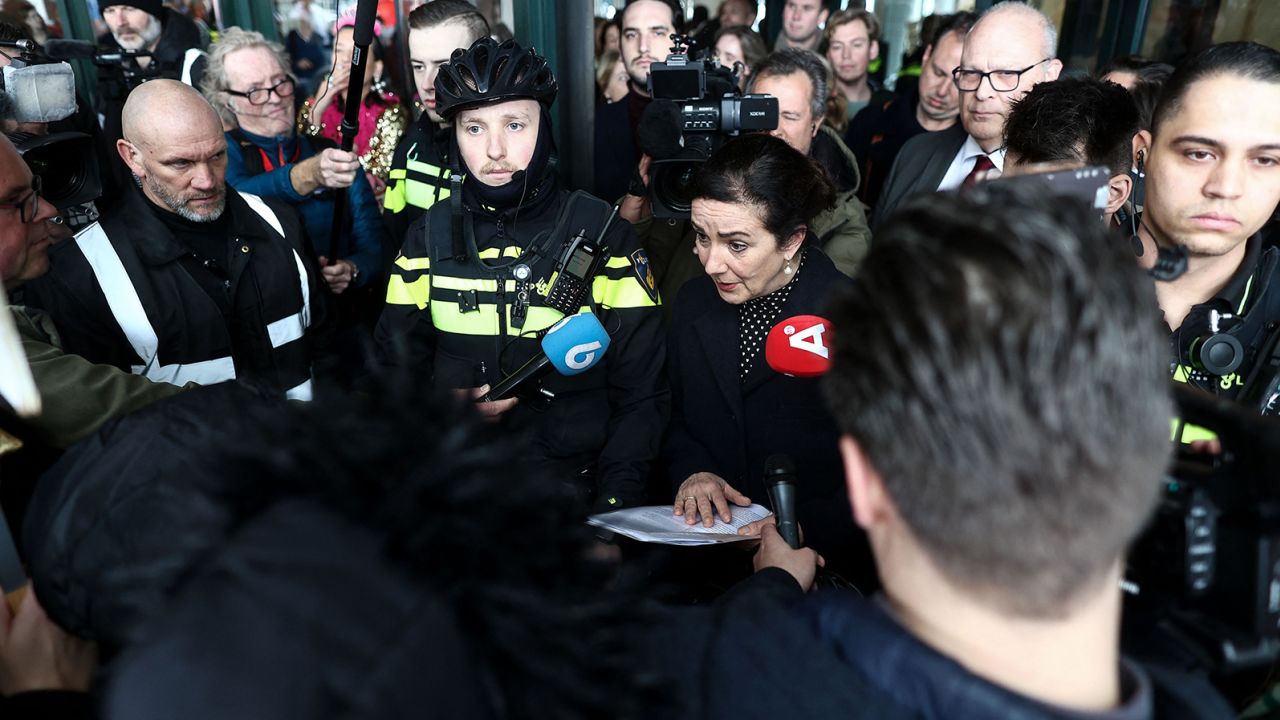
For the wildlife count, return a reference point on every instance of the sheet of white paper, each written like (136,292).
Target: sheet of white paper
(656,524)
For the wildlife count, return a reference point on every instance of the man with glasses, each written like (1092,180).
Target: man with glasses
(1008,51)
(249,84)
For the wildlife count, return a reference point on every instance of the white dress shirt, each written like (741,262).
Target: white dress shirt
(964,161)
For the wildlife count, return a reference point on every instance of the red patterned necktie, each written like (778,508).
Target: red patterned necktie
(982,165)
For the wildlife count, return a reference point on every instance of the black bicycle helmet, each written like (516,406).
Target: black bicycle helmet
(488,73)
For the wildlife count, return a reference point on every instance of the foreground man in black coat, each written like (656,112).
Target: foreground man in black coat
(368,558)
(1004,413)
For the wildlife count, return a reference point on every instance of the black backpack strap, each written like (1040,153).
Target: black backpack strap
(439,240)
(455,214)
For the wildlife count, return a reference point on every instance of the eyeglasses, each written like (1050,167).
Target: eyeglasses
(1001,80)
(259,96)
(29,206)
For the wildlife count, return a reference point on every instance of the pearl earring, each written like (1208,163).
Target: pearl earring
(787,268)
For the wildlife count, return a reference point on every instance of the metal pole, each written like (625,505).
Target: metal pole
(406,68)
(362,37)
(577,83)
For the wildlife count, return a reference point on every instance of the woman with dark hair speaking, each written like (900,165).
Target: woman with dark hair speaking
(753,204)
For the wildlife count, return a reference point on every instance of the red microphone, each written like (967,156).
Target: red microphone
(799,346)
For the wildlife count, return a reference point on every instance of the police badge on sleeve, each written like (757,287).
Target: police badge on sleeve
(644,273)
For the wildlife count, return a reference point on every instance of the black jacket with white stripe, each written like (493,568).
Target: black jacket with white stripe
(123,293)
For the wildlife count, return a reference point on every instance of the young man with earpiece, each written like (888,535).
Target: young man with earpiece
(1211,167)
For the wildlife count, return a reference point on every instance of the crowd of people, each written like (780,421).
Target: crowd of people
(325,409)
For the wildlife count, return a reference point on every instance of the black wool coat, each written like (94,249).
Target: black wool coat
(722,425)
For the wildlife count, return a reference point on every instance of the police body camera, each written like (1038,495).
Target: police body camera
(708,109)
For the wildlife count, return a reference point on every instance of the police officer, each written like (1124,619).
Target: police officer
(419,174)
(468,297)
(1212,181)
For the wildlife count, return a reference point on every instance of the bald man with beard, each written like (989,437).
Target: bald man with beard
(187,280)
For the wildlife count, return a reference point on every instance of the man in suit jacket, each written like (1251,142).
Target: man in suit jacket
(1008,51)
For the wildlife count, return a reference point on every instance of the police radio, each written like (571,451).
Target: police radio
(574,273)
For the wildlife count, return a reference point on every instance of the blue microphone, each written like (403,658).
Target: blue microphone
(572,346)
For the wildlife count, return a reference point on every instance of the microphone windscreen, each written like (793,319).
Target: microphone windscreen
(366,14)
(69,49)
(41,93)
(576,344)
(798,346)
(658,132)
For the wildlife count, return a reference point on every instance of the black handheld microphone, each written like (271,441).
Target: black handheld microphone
(780,479)
(529,372)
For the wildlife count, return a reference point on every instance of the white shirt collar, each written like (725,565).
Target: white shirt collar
(972,150)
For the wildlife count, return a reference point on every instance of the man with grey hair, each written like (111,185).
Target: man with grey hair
(187,280)
(1010,49)
(249,83)
(801,80)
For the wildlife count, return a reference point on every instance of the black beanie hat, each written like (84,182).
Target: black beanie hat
(153,7)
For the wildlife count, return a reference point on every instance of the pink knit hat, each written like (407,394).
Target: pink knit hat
(348,19)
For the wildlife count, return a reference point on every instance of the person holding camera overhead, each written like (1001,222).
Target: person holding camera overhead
(484,278)
(754,203)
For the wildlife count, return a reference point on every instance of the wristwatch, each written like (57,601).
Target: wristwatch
(355,271)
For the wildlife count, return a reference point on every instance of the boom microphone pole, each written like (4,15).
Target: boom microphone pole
(362,37)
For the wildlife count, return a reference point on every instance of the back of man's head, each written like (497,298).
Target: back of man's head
(997,366)
(1079,120)
(1245,60)
(438,12)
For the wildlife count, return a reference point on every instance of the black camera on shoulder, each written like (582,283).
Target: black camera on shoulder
(1204,578)
(705,108)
